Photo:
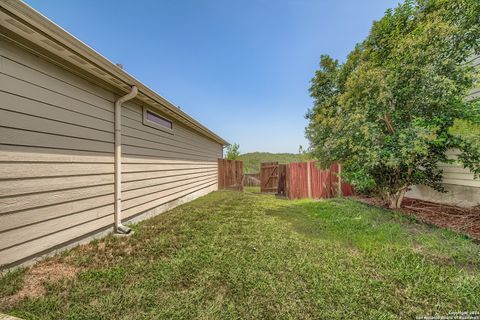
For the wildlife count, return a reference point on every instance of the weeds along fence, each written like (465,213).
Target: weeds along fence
(230,174)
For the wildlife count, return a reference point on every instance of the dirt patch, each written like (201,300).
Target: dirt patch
(464,220)
(35,278)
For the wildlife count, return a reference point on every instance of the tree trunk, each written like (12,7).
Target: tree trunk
(395,200)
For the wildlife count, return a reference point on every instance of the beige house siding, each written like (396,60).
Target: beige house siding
(475,94)
(157,166)
(463,189)
(56,158)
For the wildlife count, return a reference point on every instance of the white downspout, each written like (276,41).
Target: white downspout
(118,227)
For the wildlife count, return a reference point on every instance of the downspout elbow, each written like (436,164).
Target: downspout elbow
(119,228)
(132,94)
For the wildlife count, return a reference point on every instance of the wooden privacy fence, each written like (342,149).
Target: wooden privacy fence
(294,180)
(269,177)
(230,174)
(306,180)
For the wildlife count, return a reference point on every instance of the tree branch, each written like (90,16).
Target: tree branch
(388,122)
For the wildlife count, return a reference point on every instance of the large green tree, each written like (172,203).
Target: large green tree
(386,113)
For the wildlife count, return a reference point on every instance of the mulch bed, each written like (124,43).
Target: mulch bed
(464,220)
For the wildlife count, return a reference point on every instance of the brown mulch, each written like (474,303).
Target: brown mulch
(464,220)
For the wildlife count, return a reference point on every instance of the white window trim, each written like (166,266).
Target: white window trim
(155,125)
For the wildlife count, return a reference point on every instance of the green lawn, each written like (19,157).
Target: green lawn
(233,255)
(252,189)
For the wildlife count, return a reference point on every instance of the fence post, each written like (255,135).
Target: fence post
(220,173)
(339,186)
(282,176)
(287,183)
(309,179)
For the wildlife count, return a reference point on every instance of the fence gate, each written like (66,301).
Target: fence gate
(269,177)
(282,180)
(230,174)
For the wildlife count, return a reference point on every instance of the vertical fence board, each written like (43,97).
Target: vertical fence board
(297,180)
(230,174)
(306,180)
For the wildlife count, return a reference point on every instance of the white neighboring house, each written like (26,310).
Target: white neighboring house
(463,189)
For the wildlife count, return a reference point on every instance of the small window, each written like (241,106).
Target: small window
(153,119)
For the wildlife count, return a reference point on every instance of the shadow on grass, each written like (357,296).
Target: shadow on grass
(373,230)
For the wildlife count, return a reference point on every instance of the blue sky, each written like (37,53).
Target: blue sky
(242,68)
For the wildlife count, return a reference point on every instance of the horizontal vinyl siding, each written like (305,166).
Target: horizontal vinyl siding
(56,155)
(56,158)
(475,61)
(456,174)
(158,166)
(475,93)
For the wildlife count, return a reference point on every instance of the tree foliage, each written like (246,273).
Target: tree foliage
(385,113)
(233,151)
(252,160)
